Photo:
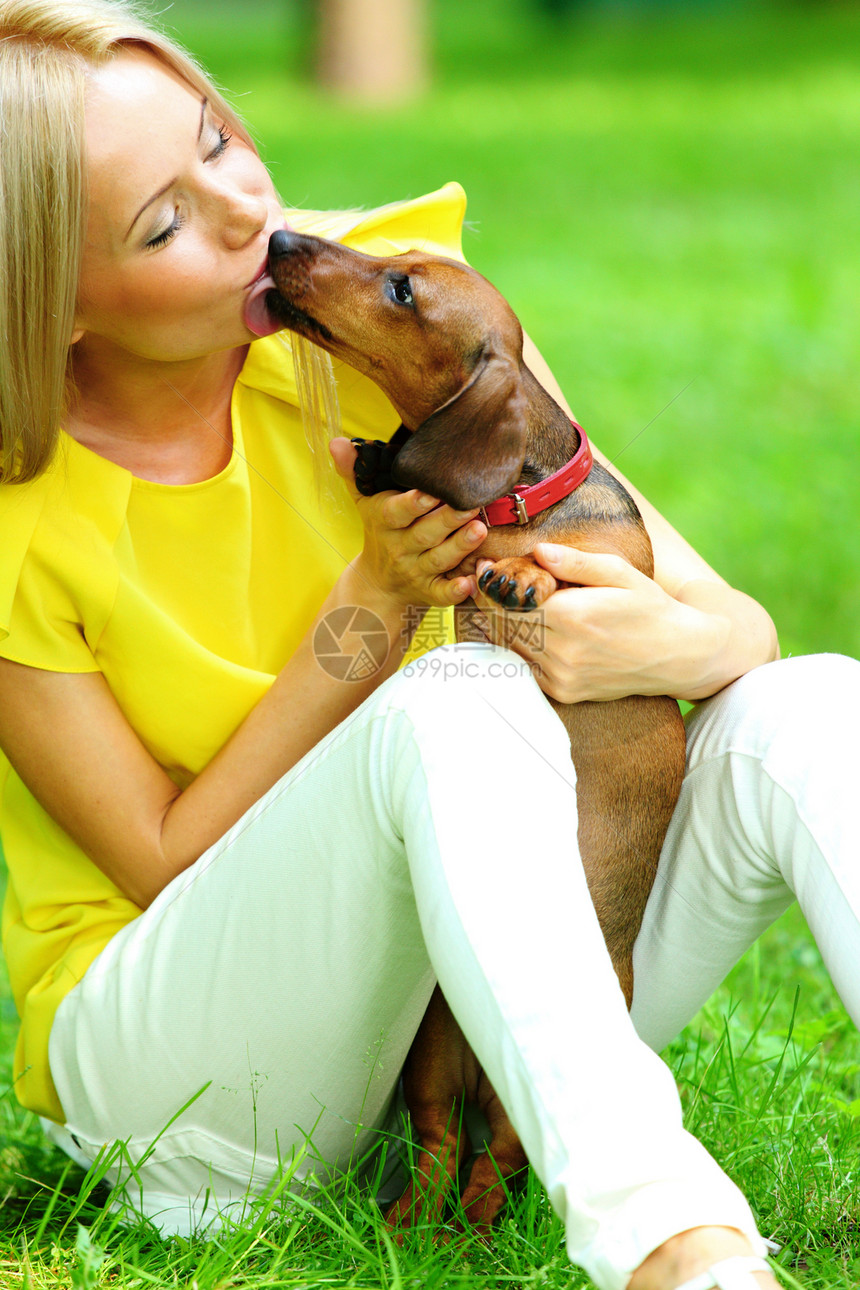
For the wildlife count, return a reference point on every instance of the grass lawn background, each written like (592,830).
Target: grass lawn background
(669,198)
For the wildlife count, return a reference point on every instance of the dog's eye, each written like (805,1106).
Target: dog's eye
(401,290)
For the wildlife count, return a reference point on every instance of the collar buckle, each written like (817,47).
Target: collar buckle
(520,508)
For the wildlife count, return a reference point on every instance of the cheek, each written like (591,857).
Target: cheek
(248,170)
(151,291)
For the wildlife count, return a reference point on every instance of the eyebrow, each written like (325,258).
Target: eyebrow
(204,103)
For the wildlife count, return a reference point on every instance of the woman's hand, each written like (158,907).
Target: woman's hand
(411,541)
(613,633)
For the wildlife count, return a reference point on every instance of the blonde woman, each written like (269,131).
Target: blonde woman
(233,876)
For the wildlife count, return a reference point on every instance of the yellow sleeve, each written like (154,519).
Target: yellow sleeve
(56,588)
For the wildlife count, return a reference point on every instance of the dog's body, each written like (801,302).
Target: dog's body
(447,351)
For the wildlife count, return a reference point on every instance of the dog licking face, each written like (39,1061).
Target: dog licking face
(446,349)
(415,325)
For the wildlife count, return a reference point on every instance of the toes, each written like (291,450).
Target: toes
(504,587)
(366,465)
(500,588)
(373,464)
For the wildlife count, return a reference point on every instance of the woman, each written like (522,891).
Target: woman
(203,951)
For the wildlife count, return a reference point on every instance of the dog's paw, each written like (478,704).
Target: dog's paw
(491,1181)
(373,463)
(517,582)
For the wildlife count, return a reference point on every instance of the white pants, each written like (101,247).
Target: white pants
(433,832)
(768,813)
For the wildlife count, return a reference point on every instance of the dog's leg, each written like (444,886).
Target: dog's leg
(616,762)
(434,1079)
(441,1072)
(503,1161)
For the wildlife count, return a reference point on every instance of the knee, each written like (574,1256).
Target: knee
(799,704)
(823,683)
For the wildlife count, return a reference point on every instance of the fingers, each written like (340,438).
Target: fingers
(343,454)
(432,534)
(412,540)
(396,509)
(450,591)
(434,561)
(587,568)
(448,540)
(404,510)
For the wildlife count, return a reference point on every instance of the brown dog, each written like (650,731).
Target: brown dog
(446,349)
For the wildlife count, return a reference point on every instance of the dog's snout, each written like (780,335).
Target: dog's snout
(283,241)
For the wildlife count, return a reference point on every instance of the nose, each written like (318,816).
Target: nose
(284,241)
(246,214)
(280,243)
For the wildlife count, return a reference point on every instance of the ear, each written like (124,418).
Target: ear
(471,450)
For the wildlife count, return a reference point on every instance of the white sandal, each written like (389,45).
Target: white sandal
(729,1274)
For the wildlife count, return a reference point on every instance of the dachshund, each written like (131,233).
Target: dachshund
(478,429)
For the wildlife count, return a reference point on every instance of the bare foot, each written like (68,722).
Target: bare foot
(689,1254)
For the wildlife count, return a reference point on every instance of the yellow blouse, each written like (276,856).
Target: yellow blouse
(188,598)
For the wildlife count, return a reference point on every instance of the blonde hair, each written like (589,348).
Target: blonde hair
(47,49)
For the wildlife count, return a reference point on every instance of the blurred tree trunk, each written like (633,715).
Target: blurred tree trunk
(373,51)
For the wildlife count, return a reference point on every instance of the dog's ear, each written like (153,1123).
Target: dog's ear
(471,450)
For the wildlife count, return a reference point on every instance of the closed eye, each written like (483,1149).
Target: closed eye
(161,239)
(224,137)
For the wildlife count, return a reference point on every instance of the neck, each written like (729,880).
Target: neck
(167,422)
(551,438)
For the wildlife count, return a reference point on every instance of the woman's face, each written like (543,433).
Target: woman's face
(180,216)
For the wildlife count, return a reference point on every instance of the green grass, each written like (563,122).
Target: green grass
(671,205)
(670,202)
(770,1082)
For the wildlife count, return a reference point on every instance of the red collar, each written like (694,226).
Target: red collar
(520,507)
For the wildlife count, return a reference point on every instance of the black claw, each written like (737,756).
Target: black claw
(512,600)
(495,587)
(485,577)
(530,599)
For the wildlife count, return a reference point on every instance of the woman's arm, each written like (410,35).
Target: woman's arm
(688,636)
(67,738)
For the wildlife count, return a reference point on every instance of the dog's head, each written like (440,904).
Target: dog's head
(439,340)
